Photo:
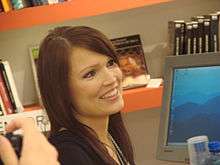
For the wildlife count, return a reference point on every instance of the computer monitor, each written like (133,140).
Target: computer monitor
(191,103)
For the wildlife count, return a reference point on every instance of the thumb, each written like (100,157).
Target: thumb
(7,153)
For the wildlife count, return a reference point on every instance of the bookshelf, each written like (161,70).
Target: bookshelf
(68,10)
(142,98)
(135,99)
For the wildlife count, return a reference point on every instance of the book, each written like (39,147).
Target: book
(214,36)
(200,20)
(131,61)
(19,4)
(195,37)
(5,95)
(6,83)
(34,54)
(2,107)
(218,13)
(207,35)
(9,74)
(1,7)
(188,39)
(182,37)
(176,35)
(7,6)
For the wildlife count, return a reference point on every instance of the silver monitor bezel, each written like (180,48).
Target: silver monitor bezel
(177,153)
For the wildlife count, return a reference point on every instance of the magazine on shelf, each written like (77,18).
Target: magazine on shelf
(132,61)
(34,54)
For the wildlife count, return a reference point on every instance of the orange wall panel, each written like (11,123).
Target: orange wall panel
(142,98)
(69,10)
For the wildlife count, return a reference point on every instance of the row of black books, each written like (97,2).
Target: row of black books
(9,100)
(8,5)
(200,35)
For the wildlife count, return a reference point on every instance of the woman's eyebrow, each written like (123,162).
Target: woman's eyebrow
(88,67)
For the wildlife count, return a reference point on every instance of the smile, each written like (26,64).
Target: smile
(110,95)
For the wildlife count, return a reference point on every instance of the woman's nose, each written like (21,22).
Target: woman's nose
(109,78)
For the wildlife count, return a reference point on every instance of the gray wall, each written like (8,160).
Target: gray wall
(143,130)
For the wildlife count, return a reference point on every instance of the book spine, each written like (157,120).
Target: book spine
(182,38)
(34,52)
(7,6)
(2,107)
(188,39)
(19,4)
(18,104)
(207,35)
(4,95)
(195,39)
(44,2)
(174,33)
(200,33)
(214,39)
(35,3)
(218,13)
(1,7)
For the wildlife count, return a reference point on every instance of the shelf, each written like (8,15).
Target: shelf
(69,10)
(135,99)
(142,98)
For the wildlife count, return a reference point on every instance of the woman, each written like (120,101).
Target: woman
(80,83)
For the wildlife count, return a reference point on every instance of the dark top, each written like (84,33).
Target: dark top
(74,150)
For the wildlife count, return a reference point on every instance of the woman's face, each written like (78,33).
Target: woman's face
(95,83)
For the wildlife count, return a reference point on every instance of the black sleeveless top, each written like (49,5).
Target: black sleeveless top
(73,150)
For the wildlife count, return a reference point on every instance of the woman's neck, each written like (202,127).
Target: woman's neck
(98,124)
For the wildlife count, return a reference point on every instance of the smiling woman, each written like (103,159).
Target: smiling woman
(80,83)
(101,77)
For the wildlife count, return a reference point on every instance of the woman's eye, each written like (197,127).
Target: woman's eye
(111,63)
(90,74)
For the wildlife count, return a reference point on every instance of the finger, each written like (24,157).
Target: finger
(7,153)
(26,124)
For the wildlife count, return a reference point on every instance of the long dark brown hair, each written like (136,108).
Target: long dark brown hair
(53,75)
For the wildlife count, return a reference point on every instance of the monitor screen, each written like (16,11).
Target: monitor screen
(191,103)
(194,104)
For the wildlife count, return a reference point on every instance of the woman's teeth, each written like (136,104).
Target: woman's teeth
(113,93)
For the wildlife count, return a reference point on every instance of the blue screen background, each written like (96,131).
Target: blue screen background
(195,104)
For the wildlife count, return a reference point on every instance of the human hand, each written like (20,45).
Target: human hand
(36,150)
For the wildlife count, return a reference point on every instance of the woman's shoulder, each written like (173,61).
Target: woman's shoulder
(72,148)
(66,140)
(64,137)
